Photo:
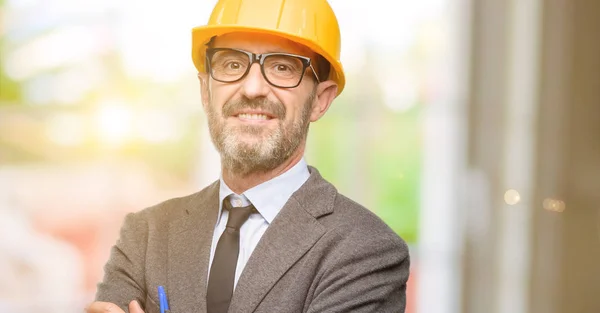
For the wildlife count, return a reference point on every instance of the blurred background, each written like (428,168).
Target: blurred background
(472,127)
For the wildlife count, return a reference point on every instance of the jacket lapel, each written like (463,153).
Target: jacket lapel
(190,238)
(291,234)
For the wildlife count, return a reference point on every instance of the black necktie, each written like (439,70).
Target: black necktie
(222,271)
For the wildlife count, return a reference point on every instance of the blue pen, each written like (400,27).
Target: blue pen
(162,298)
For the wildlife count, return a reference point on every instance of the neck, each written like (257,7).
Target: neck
(240,183)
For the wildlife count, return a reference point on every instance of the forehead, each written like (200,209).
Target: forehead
(260,43)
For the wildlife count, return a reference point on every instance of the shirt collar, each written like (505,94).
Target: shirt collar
(269,197)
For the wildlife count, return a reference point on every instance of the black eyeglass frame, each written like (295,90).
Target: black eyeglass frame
(260,59)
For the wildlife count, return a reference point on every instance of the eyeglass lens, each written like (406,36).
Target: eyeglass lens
(279,69)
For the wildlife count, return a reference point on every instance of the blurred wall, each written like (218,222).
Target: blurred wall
(533,176)
(579,169)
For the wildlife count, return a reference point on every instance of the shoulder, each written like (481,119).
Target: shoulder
(359,226)
(175,208)
(345,219)
(359,241)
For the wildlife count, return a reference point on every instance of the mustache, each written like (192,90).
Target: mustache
(276,109)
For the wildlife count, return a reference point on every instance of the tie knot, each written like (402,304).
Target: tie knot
(237,215)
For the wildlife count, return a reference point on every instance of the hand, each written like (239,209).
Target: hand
(107,307)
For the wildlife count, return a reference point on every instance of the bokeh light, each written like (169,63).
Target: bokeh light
(512,197)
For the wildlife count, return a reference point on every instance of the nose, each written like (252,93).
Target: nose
(254,84)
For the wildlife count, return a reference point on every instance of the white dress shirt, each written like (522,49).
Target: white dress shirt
(268,198)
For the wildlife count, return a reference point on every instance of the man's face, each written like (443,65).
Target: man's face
(254,125)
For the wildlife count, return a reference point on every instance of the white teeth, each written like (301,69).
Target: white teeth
(253,116)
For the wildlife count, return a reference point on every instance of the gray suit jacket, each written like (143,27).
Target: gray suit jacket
(322,253)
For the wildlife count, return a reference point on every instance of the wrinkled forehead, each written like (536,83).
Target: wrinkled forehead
(260,43)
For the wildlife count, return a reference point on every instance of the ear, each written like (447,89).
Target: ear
(325,94)
(204,88)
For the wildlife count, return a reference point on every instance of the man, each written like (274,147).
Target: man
(271,235)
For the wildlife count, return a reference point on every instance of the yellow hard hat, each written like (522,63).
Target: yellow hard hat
(311,23)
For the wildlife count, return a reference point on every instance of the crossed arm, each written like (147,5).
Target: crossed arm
(365,274)
(122,287)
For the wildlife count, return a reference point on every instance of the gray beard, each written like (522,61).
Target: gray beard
(270,150)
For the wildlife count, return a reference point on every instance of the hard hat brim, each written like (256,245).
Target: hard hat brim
(201,35)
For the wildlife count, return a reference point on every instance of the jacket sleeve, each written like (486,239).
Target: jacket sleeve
(124,278)
(366,275)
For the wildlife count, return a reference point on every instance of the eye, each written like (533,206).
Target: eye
(233,65)
(282,68)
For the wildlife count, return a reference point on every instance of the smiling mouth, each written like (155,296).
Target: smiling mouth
(253,117)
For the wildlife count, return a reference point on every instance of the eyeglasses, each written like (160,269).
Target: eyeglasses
(281,70)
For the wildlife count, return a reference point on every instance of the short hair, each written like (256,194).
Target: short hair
(323,67)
